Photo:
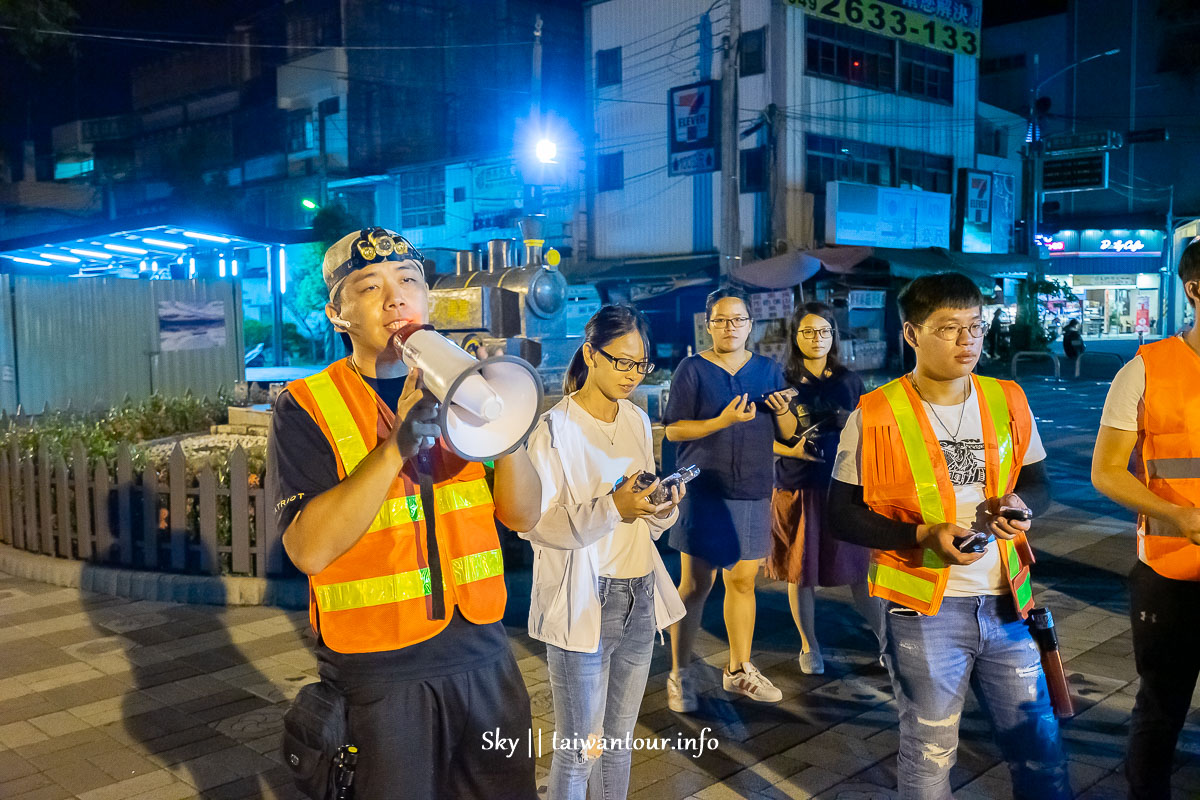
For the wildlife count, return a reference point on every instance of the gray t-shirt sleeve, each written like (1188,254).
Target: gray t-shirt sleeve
(1125,396)
(846,466)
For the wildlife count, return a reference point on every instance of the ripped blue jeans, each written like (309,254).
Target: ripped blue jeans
(599,694)
(981,643)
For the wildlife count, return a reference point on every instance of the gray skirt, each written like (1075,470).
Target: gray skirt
(722,531)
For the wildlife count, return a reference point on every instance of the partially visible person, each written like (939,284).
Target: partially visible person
(1073,344)
(725,519)
(803,551)
(994,333)
(600,590)
(925,463)
(1151,414)
(398,538)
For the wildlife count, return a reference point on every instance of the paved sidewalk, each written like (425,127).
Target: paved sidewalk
(103,698)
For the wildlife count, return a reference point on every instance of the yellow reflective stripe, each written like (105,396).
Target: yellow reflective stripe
(459,496)
(346,436)
(397,511)
(373,591)
(405,585)
(900,581)
(477,567)
(919,462)
(450,498)
(997,403)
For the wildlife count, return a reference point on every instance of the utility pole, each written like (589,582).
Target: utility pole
(536,110)
(731,231)
(702,183)
(533,194)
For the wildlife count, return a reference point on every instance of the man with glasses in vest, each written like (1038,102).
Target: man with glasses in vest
(1153,413)
(924,462)
(407,615)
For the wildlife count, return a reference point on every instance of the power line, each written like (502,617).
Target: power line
(202,43)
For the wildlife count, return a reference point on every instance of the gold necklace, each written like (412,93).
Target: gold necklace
(612,440)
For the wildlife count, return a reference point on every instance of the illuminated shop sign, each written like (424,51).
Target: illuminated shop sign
(1098,243)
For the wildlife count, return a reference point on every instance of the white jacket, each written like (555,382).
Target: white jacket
(578,511)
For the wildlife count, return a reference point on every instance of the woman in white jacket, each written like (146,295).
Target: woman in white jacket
(600,590)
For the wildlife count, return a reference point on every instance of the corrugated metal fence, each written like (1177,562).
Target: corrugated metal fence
(82,510)
(94,341)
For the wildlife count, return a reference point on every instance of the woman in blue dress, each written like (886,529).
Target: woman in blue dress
(726,410)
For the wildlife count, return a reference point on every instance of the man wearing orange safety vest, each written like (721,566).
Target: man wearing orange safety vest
(398,538)
(923,462)
(1153,413)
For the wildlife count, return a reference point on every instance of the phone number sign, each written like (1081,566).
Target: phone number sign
(939,32)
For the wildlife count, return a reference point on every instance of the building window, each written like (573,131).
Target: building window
(753,171)
(608,67)
(300,131)
(460,194)
(848,54)
(924,171)
(926,73)
(990,139)
(610,172)
(832,159)
(71,168)
(423,198)
(752,52)
(989,66)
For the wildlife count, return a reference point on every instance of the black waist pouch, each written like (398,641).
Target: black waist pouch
(314,728)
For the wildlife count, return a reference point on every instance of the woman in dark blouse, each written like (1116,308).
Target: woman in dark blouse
(712,411)
(803,553)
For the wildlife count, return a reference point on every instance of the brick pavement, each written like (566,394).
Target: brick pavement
(104,698)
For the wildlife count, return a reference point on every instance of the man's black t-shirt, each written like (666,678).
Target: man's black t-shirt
(300,466)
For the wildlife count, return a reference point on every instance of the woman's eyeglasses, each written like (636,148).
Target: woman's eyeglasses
(626,364)
(812,334)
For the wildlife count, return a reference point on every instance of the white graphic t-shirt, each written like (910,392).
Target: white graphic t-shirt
(963,449)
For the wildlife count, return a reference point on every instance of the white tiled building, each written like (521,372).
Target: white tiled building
(841,102)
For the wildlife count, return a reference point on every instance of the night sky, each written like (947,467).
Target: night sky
(76,78)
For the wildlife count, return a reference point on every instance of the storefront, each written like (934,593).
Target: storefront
(1115,277)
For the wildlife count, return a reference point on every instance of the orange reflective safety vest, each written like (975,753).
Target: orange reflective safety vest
(1168,453)
(377,595)
(905,478)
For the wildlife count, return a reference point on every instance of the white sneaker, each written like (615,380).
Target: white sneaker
(812,663)
(751,683)
(681,697)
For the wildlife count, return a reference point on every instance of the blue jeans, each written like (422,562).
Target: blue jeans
(601,693)
(979,642)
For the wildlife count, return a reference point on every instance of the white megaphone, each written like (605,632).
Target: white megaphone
(488,408)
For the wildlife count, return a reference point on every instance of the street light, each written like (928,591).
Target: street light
(309,204)
(1034,154)
(546,151)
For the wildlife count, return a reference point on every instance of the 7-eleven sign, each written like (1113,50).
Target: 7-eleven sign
(979,198)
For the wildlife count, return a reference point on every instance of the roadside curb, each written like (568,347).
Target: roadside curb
(157,586)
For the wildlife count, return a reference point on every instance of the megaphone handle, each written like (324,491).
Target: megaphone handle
(437,607)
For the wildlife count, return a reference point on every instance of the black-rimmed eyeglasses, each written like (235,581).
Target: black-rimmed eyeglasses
(626,364)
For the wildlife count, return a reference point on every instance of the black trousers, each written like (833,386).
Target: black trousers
(436,739)
(1167,651)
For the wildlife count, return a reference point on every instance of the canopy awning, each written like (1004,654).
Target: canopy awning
(791,269)
(641,270)
(127,247)
(983,268)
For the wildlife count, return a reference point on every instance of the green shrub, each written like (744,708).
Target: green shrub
(132,422)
